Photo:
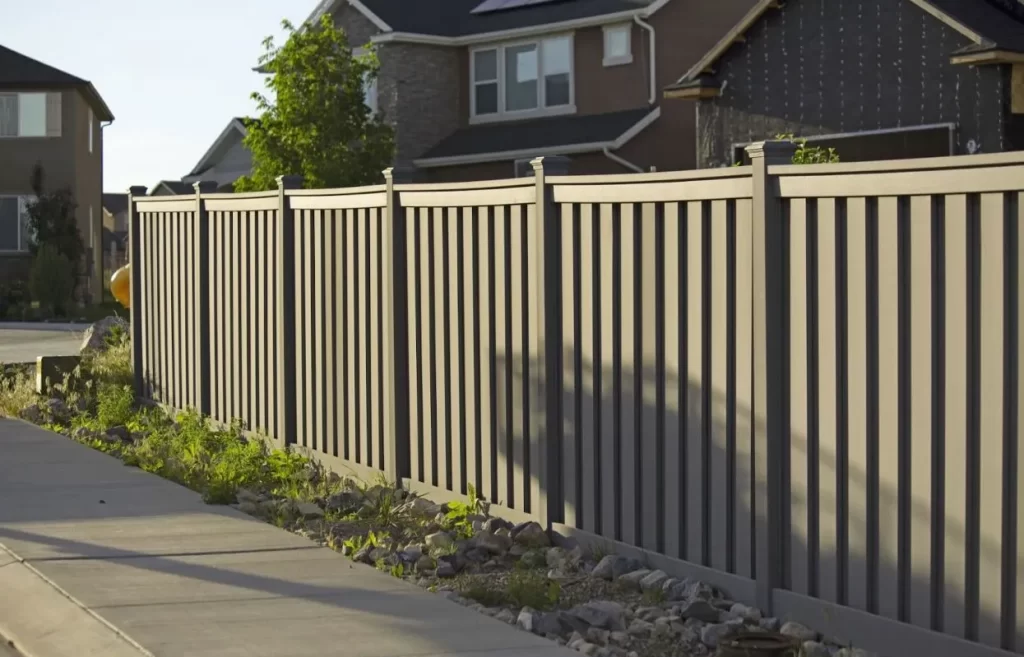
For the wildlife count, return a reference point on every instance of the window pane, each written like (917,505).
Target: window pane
(485,65)
(486,98)
(25,229)
(9,115)
(556,90)
(32,115)
(557,56)
(9,224)
(616,43)
(521,77)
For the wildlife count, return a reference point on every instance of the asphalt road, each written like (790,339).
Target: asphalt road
(22,345)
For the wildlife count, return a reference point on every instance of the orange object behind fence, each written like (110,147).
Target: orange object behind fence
(121,285)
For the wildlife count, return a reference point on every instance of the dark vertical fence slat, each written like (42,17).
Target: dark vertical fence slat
(138,299)
(204,326)
(286,308)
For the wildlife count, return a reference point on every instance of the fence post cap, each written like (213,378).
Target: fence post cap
(400,174)
(551,165)
(137,190)
(289,182)
(774,151)
(205,186)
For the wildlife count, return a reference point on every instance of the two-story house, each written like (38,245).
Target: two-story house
(874,79)
(54,119)
(475,88)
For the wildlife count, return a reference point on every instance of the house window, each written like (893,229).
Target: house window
(517,79)
(15,234)
(617,46)
(23,115)
(91,121)
(370,92)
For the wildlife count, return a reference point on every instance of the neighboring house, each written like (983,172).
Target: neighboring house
(115,212)
(876,79)
(54,119)
(172,188)
(115,233)
(225,161)
(476,88)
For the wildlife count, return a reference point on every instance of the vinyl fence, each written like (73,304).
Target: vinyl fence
(800,383)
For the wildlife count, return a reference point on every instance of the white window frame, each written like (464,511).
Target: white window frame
(607,33)
(23,202)
(504,115)
(18,95)
(369,90)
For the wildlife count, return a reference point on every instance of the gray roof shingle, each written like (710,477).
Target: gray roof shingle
(452,18)
(547,133)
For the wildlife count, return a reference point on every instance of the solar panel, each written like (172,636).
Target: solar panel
(488,6)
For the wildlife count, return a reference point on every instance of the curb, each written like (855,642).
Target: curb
(42,620)
(46,326)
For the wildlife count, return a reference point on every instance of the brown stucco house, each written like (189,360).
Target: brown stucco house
(476,88)
(874,79)
(54,119)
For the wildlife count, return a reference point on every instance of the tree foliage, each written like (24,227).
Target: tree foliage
(315,122)
(52,279)
(52,221)
(810,154)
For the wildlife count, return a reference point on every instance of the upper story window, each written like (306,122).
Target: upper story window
(522,79)
(618,48)
(92,119)
(30,114)
(369,84)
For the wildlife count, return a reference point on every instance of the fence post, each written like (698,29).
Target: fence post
(394,330)
(135,258)
(546,345)
(286,315)
(771,367)
(203,312)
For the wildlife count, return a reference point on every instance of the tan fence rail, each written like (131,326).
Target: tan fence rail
(799,383)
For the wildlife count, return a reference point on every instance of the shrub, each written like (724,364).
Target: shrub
(532,588)
(115,405)
(16,392)
(52,280)
(810,154)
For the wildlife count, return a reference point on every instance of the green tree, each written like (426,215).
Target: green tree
(52,279)
(52,221)
(315,122)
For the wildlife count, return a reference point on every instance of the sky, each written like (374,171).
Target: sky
(173,74)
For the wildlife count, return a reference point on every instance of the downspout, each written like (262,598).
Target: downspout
(654,77)
(652,98)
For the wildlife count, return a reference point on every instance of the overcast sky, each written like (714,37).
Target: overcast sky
(173,74)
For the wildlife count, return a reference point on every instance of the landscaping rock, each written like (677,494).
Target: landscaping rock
(424,562)
(700,610)
(527,619)
(534,559)
(653,580)
(815,649)
(640,628)
(711,634)
(244,495)
(445,569)
(771,624)
(121,433)
(620,639)
(602,614)
(492,543)
(598,636)
(31,413)
(798,631)
(751,614)
(440,540)
(632,580)
(531,534)
(362,555)
(95,339)
(56,410)
(506,616)
(345,501)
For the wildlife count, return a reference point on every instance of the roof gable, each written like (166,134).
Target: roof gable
(18,71)
(235,131)
(989,24)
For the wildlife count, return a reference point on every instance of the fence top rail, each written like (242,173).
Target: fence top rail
(657,177)
(241,195)
(157,200)
(465,186)
(337,191)
(895,166)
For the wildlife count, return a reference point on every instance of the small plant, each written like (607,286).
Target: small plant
(654,597)
(398,570)
(458,517)
(16,392)
(532,588)
(115,406)
(480,591)
(810,154)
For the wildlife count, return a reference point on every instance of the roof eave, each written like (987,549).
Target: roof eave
(203,163)
(987,57)
(548,151)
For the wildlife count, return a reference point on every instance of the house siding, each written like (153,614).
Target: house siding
(67,163)
(827,66)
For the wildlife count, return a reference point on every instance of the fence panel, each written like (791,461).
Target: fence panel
(340,258)
(470,270)
(903,485)
(169,240)
(657,390)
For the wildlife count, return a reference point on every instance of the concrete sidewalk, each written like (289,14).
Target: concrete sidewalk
(101,559)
